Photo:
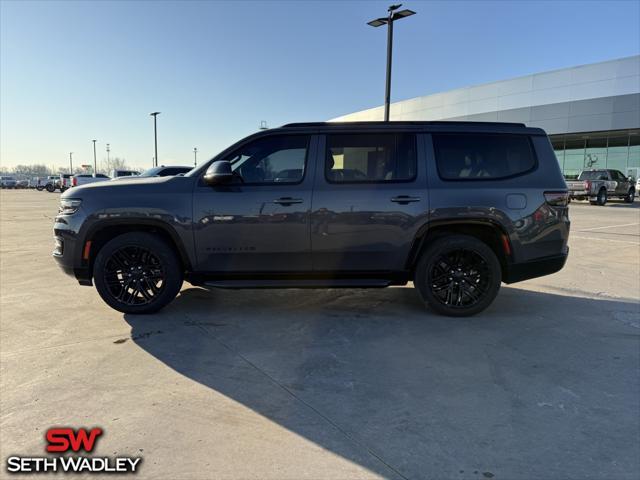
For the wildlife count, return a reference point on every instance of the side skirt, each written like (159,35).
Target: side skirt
(304,280)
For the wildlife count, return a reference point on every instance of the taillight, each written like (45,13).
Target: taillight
(557,199)
(587,185)
(74,181)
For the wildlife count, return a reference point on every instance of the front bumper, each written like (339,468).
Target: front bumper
(517,272)
(67,253)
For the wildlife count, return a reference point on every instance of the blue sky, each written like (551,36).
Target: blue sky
(74,71)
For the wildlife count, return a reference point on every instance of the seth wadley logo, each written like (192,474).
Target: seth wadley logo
(65,439)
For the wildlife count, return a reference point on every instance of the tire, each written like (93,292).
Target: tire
(630,195)
(50,188)
(601,199)
(468,258)
(129,263)
(39,188)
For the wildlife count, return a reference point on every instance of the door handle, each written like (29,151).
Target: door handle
(287,201)
(405,199)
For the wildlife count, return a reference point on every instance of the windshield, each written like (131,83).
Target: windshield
(593,175)
(151,172)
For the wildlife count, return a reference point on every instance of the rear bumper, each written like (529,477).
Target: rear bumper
(518,272)
(579,193)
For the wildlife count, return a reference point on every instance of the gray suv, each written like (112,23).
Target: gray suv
(455,207)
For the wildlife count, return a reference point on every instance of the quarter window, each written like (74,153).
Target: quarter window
(273,159)
(482,156)
(383,157)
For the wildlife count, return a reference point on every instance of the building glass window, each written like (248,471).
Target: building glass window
(558,148)
(634,151)
(595,155)
(618,152)
(573,157)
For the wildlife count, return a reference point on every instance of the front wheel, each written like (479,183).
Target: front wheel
(458,275)
(630,195)
(50,188)
(137,273)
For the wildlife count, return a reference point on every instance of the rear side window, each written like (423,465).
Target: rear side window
(482,156)
(386,157)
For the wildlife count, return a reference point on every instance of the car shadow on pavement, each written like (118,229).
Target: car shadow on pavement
(538,386)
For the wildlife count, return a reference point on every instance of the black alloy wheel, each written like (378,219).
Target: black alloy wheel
(134,275)
(458,275)
(137,273)
(459,278)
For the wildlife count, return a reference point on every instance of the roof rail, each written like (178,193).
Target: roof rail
(401,122)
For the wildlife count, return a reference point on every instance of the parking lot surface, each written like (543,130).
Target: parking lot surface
(331,384)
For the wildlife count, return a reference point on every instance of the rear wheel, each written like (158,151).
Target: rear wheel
(50,188)
(601,199)
(458,275)
(137,273)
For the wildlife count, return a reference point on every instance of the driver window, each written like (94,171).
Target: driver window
(272,159)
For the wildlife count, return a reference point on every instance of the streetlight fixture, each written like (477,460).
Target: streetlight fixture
(95,161)
(195,156)
(70,163)
(155,136)
(388,20)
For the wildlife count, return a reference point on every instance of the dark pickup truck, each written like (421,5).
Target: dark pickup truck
(599,185)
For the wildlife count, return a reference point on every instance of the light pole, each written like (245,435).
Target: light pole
(108,158)
(195,156)
(95,162)
(388,20)
(70,163)
(155,136)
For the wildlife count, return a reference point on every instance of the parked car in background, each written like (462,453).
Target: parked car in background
(598,186)
(455,207)
(123,173)
(161,171)
(8,182)
(52,183)
(24,183)
(65,182)
(85,179)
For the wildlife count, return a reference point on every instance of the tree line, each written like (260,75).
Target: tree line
(41,170)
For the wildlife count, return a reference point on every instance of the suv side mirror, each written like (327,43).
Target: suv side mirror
(219,172)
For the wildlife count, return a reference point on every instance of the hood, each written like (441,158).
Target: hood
(137,184)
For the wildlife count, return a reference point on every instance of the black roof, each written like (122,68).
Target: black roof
(434,126)
(397,123)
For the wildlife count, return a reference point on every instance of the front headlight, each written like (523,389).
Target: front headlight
(69,206)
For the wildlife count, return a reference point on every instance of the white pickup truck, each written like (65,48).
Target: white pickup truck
(598,186)
(84,179)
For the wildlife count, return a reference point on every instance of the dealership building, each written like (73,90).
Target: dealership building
(591,112)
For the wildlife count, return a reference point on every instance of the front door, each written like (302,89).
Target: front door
(260,221)
(622,182)
(369,200)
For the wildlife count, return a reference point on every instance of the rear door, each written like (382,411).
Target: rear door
(369,200)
